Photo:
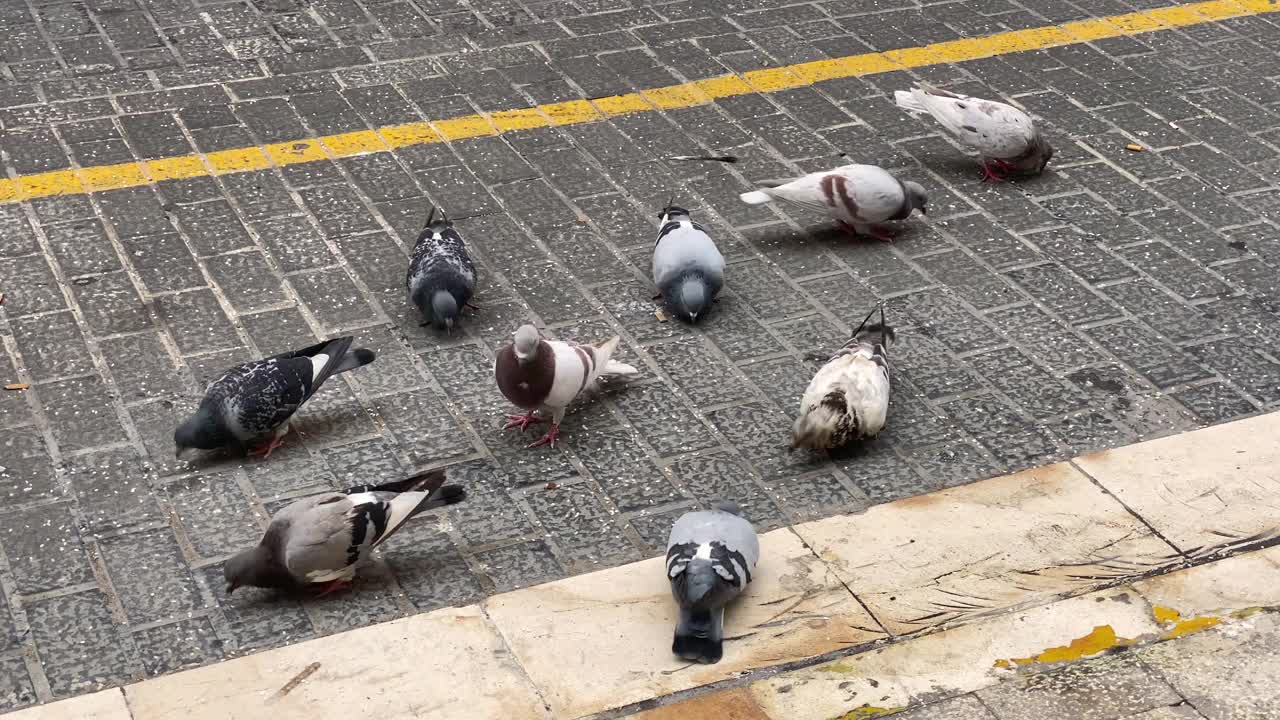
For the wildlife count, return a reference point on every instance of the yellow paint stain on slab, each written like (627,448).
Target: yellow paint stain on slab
(1100,639)
(1180,627)
(573,112)
(869,711)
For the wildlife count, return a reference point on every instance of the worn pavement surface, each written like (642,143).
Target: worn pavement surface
(1124,295)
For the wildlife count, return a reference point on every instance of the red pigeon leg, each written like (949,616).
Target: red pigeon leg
(266,448)
(549,439)
(333,586)
(993,171)
(522,421)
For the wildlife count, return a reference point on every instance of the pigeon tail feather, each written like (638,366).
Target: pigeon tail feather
(907,100)
(354,359)
(756,197)
(613,368)
(428,482)
(699,635)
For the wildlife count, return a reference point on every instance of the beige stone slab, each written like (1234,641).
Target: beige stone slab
(105,705)
(446,664)
(967,552)
(1204,489)
(1214,591)
(603,640)
(960,660)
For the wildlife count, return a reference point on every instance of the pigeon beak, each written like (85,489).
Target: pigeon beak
(231,587)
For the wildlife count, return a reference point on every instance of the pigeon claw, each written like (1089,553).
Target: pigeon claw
(266,449)
(553,433)
(994,171)
(333,586)
(521,421)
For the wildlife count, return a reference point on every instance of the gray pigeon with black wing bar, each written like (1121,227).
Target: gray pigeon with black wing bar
(252,403)
(442,276)
(687,266)
(318,541)
(711,555)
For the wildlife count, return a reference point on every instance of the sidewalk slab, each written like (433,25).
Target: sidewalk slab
(446,664)
(1182,485)
(103,705)
(603,640)
(969,551)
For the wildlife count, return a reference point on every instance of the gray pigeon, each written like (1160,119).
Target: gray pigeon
(252,403)
(687,267)
(857,196)
(318,541)
(848,398)
(1005,137)
(535,373)
(442,276)
(710,557)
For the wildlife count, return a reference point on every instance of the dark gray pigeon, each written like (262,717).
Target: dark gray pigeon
(710,557)
(687,267)
(318,541)
(442,276)
(252,403)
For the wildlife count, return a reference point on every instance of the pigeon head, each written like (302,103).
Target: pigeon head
(526,343)
(688,297)
(200,435)
(916,198)
(252,567)
(444,309)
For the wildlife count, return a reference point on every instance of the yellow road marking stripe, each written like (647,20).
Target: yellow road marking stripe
(574,112)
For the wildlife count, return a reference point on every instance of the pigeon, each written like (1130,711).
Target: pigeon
(848,398)
(687,267)
(317,541)
(534,374)
(710,557)
(857,196)
(1005,137)
(442,276)
(252,403)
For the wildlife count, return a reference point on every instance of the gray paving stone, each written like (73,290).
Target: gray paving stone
(1104,688)
(79,645)
(214,514)
(180,645)
(112,489)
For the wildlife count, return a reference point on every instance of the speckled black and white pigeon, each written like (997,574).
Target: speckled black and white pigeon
(687,266)
(538,374)
(848,398)
(1005,137)
(857,196)
(442,276)
(252,403)
(318,541)
(711,555)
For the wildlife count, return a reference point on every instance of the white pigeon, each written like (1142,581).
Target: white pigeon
(858,196)
(848,398)
(1005,137)
(538,374)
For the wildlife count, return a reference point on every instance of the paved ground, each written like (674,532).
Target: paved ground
(1124,295)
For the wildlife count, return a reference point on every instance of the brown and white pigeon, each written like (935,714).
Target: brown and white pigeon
(538,374)
(711,555)
(848,398)
(857,196)
(318,541)
(1005,137)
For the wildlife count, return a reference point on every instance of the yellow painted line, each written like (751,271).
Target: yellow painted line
(575,112)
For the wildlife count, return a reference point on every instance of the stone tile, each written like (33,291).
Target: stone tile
(214,514)
(52,346)
(1016,557)
(463,642)
(539,623)
(517,566)
(735,704)
(103,705)
(1179,486)
(44,549)
(1105,688)
(81,413)
(180,645)
(79,645)
(28,469)
(112,489)
(148,572)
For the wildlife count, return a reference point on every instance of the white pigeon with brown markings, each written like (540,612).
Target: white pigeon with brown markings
(1006,138)
(540,375)
(848,398)
(317,542)
(857,196)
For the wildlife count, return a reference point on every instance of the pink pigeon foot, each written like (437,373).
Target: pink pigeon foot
(549,439)
(993,171)
(266,449)
(333,586)
(522,421)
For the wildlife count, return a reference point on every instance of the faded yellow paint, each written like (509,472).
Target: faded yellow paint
(1181,627)
(573,112)
(869,711)
(1100,639)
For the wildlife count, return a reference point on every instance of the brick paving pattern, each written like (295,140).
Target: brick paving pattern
(1121,296)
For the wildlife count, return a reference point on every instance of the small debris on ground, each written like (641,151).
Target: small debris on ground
(1134,147)
(16,386)
(662,317)
(552,486)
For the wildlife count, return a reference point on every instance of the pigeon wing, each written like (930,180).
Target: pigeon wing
(993,128)
(683,246)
